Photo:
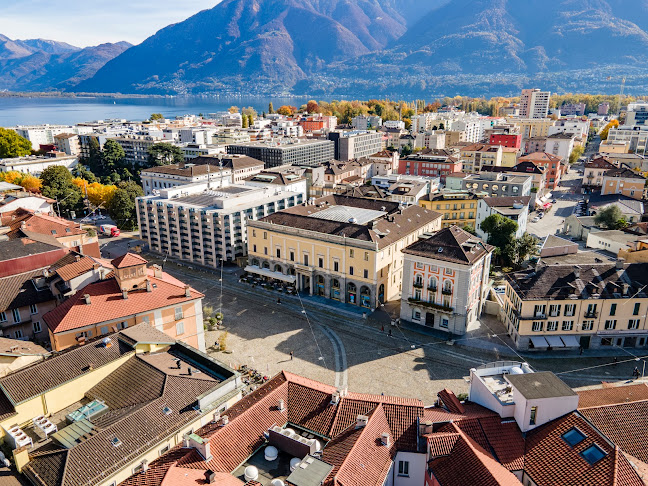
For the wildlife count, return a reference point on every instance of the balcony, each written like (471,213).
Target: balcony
(446,291)
(432,288)
(417,285)
(430,305)
(591,315)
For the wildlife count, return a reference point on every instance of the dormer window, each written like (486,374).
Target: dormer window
(53,232)
(574,437)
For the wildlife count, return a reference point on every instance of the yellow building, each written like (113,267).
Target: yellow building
(343,248)
(479,155)
(510,156)
(110,407)
(569,306)
(457,207)
(530,128)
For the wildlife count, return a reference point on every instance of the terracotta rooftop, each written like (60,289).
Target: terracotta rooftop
(76,267)
(600,163)
(128,260)
(614,395)
(623,173)
(541,157)
(107,303)
(23,219)
(451,244)
(307,406)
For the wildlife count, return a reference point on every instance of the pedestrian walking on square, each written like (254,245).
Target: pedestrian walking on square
(635,373)
(389,333)
(382,328)
(278,300)
(292,353)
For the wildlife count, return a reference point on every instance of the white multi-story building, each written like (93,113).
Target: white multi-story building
(636,136)
(445,280)
(364,122)
(136,148)
(192,150)
(636,114)
(68,143)
(157,179)
(435,139)
(35,165)
(287,128)
(44,134)
(423,122)
(578,128)
(514,208)
(201,224)
(534,103)
(560,144)
(355,144)
(399,124)
(470,126)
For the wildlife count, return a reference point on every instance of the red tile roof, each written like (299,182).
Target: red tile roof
(540,157)
(107,303)
(612,395)
(182,476)
(307,405)
(76,268)
(469,464)
(549,459)
(128,260)
(43,224)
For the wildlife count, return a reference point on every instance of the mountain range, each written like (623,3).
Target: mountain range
(373,46)
(43,65)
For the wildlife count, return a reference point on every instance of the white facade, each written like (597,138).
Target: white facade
(637,136)
(397,124)
(38,204)
(534,103)
(407,469)
(42,134)
(198,224)
(435,139)
(156,181)
(518,213)
(560,146)
(578,128)
(35,165)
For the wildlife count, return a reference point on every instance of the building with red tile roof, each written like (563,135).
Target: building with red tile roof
(554,165)
(24,222)
(134,294)
(362,437)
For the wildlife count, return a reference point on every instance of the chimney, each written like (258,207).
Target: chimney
(187,291)
(210,477)
(200,444)
(225,420)
(335,398)
(125,294)
(384,439)
(148,286)
(577,270)
(145,466)
(157,271)
(362,421)
(374,224)
(189,371)
(619,263)
(626,289)
(281,407)
(87,298)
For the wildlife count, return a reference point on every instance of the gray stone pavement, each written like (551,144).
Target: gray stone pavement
(339,346)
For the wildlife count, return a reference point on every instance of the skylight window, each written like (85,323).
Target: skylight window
(574,436)
(166,411)
(593,454)
(115,442)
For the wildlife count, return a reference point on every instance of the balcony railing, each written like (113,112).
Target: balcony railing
(418,285)
(430,305)
(432,288)
(446,291)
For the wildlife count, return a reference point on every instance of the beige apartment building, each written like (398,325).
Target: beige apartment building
(343,248)
(571,306)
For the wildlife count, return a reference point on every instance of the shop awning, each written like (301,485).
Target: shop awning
(555,342)
(539,342)
(266,272)
(546,205)
(571,341)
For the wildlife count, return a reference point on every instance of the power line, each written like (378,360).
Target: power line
(321,355)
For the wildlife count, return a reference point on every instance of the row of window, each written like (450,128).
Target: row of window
(570,309)
(610,324)
(33,309)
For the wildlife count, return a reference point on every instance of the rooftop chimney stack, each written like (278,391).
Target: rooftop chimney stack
(384,439)
(281,406)
(577,271)
(148,286)
(362,421)
(187,291)
(125,294)
(87,298)
(225,420)
(210,477)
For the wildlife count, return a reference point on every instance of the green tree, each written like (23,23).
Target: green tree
(13,145)
(57,184)
(520,249)
(93,161)
(500,230)
(156,116)
(270,108)
(576,153)
(469,229)
(113,165)
(82,172)
(251,120)
(164,154)
(610,217)
(122,206)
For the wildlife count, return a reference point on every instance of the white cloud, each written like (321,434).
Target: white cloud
(92,22)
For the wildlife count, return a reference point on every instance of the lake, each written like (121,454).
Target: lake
(68,111)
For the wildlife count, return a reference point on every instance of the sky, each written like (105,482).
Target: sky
(91,22)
